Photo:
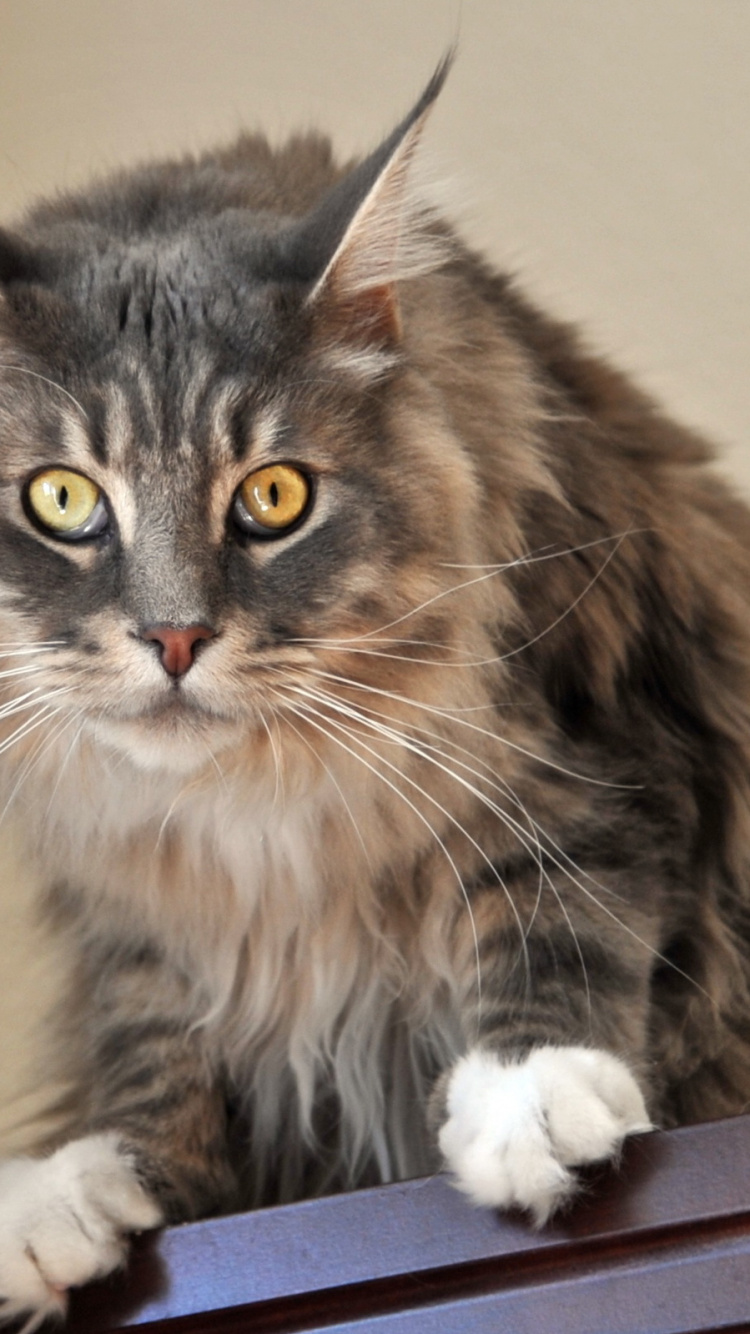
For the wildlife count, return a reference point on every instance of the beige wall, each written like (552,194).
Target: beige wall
(599,147)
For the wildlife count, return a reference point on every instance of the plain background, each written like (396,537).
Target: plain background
(599,148)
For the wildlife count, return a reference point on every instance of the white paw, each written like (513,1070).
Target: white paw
(63,1221)
(514,1130)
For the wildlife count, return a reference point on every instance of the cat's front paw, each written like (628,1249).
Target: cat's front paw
(514,1130)
(63,1221)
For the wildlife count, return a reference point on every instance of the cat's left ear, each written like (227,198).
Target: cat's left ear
(18,263)
(370,231)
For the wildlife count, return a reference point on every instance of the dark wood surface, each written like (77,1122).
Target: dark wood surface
(660,1245)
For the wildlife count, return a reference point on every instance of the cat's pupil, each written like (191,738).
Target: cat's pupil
(274,494)
(63,497)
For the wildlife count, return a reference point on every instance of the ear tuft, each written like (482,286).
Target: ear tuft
(371,230)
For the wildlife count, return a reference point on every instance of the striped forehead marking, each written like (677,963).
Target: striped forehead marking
(229,471)
(118,476)
(76,443)
(119,427)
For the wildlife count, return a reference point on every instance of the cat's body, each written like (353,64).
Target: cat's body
(452,765)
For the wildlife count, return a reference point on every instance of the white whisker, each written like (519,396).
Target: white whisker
(20,651)
(303,712)
(24,370)
(548,847)
(28,669)
(550,552)
(30,699)
(436,597)
(395,737)
(441,712)
(277,764)
(215,763)
(563,615)
(307,709)
(74,718)
(29,726)
(45,745)
(492,778)
(337,786)
(344,644)
(489,572)
(33,760)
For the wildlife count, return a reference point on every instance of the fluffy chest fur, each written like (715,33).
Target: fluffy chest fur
(281,883)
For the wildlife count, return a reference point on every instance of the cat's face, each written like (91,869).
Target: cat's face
(191,447)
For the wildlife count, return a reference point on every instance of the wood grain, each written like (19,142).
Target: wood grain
(659,1245)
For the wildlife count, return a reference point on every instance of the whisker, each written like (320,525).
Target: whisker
(46,744)
(20,650)
(448,711)
(450,715)
(385,640)
(494,780)
(489,572)
(216,765)
(30,699)
(550,552)
(28,669)
(446,813)
(410,658)
(29,726)
(562,862)
(24,370)
(168,816)
(79,714)
(563,615)
(343,644)
(337,786)
(429,602)
(279,783)
(187,786)
(397,738)
(420,816)
(32,761)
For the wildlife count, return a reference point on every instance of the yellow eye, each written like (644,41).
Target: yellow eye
(272,499)
(67,503)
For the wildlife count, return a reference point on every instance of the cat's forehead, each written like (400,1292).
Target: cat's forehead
(211,429)
(137,411)
(202,292)
(169,343)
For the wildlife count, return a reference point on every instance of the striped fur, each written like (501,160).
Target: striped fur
(463,773)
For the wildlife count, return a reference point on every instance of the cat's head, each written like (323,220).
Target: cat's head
(220,465)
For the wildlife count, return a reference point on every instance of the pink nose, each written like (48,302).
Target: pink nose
(177,650)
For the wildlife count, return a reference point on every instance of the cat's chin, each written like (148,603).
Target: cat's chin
(155,746)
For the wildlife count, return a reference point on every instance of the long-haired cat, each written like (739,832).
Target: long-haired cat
(376,701)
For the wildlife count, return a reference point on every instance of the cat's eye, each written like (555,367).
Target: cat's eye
(67,504)
(271,500)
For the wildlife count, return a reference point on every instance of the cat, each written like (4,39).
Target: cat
(376,702)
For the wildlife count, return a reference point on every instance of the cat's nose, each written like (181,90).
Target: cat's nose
(177,645)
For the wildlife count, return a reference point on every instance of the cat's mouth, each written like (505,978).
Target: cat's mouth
(174,734)
(175,707)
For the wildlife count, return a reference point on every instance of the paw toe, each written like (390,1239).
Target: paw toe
(515,1129)
(63,1222)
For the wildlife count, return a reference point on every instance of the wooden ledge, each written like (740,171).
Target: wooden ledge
(659,1246)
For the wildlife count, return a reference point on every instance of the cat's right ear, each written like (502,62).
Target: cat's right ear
(370,232)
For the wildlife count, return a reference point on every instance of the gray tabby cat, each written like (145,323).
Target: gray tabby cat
(376,697)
